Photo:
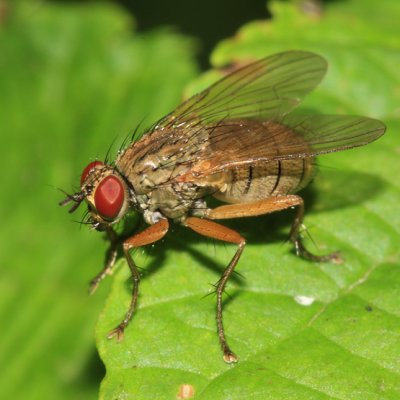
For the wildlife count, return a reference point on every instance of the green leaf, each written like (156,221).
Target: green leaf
(343,343)
(73,78)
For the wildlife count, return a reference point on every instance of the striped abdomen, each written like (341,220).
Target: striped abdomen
(254,182)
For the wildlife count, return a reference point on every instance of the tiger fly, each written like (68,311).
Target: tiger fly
(237,141)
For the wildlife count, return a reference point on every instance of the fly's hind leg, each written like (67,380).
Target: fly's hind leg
(151,234)
(270,205)
(297,241)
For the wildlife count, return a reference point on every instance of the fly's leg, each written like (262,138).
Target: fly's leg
(216,231)
(213,230)
(111,257)
(298,244)
(150,235)
(270,205)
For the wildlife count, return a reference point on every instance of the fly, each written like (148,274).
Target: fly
(236,141)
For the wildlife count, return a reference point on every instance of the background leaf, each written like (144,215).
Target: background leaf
(345,344)
(72,79)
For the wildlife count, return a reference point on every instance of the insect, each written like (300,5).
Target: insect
(236,141)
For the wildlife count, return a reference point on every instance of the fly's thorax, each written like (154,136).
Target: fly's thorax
(153,168)
(160,157)
(106,193)
(175,201)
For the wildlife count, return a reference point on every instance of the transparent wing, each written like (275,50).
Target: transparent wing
(234,143)
(268,88)
(330,133)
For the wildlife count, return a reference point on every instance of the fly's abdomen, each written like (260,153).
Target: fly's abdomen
(258,181)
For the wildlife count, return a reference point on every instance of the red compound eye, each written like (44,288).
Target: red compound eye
(88,169)
(109,197)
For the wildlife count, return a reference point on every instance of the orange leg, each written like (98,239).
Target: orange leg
(216,231)
(271,205)
(151,234)
(211,229)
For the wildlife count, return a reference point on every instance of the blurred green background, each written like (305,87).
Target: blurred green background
(74,77)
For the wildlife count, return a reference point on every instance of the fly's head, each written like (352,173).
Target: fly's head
(105,192)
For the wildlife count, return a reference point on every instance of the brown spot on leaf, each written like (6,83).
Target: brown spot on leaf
(186,391)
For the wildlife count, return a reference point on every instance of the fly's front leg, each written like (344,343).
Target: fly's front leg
(111,257)
(150,235)
(213,230)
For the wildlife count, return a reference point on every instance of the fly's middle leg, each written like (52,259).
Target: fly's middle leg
(151,234)
(216,231)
